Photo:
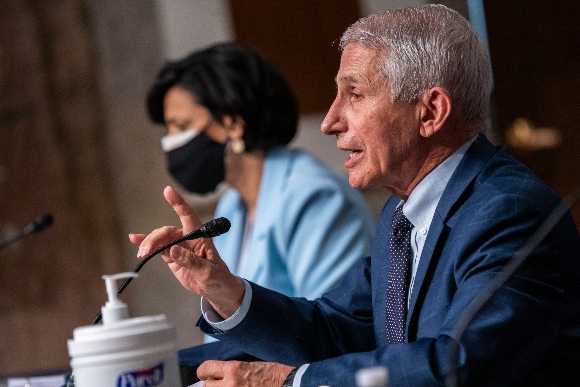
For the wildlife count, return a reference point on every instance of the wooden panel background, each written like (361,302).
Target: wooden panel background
(301,37)
(52,159)
(535,54)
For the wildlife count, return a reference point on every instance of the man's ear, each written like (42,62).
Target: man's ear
(435,108)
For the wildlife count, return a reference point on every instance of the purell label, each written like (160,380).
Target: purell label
(150,377)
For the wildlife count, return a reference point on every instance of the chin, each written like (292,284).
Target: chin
(356,183)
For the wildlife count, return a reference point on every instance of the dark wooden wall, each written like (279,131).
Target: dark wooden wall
(301,37)
(535,53)
(52,159)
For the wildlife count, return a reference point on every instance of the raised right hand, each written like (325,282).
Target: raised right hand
(196,263)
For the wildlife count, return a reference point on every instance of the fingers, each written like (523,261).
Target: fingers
(211,369)
(183,257)
(238,373)
(187,258)
(136,239)
(164,235)
(188,217)
(155,239)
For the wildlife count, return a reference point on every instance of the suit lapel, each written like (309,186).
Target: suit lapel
(476,157)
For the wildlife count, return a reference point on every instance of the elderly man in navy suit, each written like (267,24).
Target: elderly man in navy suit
(411,108)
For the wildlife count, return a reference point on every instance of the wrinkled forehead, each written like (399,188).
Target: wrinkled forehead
(361,65)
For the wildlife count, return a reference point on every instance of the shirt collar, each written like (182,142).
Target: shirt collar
(422,202)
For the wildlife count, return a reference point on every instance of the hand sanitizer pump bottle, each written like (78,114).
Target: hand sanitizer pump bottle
(123,351)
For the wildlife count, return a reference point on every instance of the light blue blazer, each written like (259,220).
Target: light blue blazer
(310,227)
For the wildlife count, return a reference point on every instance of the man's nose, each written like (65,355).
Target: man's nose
(330,124)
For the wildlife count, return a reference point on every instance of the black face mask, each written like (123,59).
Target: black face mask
(198,165)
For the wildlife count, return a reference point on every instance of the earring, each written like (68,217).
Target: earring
(238,145)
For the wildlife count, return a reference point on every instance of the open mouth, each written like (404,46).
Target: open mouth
(354,157)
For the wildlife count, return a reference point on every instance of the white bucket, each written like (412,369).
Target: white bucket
(134,352)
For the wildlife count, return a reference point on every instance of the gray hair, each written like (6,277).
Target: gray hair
(428,46)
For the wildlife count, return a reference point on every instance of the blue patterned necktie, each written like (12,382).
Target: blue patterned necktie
(397,280)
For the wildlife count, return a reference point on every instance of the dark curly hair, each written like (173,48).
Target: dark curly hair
(235,80)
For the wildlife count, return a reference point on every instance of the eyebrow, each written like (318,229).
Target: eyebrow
(348,79)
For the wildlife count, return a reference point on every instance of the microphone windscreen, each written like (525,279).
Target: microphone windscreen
(216,227)
(38,224)
(42,222)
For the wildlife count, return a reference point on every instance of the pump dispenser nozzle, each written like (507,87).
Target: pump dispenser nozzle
(115,310)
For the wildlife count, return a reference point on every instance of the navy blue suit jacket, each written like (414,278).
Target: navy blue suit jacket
(527,334)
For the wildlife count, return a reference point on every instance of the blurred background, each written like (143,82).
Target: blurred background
(75,140)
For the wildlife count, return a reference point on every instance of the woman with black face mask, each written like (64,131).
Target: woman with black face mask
(296,227)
